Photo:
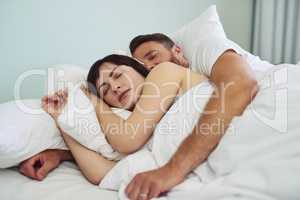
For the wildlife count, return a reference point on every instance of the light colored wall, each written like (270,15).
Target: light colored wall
(35,34)
(236,16)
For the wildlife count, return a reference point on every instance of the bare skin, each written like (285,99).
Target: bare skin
(166,87)
(232,78)
(230,71)
(38,166)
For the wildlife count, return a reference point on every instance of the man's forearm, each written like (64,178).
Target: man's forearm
(206,135)
(195,149)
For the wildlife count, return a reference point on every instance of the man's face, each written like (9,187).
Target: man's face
(153,53)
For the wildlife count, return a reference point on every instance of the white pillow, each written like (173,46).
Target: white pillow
(208,24)
(79,120)
(203,40)
(25,130)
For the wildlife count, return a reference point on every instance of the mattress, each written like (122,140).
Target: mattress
(65,182)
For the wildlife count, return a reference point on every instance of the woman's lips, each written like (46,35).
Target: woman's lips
(123,95)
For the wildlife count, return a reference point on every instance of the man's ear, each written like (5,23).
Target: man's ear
(176,49)
(178,56)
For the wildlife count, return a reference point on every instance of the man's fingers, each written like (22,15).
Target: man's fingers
(129,187)
(27,167)
(41,174)
(28,171)
(154,191)
(133,189)
(144,191)
(45,169)
(134,194)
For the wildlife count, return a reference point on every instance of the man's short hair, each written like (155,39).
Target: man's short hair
(155,37)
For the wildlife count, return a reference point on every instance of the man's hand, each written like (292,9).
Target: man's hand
(151,184)
(38,166)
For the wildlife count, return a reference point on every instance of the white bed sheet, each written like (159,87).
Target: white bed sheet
(65,182)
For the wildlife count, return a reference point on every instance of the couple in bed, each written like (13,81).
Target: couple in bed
(148,90)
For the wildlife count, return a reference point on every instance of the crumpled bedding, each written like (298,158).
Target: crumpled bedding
(258,157)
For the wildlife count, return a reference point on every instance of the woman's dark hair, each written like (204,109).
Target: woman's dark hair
(116,59)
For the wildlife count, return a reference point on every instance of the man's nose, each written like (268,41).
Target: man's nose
(150,66)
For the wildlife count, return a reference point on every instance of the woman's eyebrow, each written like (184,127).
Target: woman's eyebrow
(112,71)
(110,75)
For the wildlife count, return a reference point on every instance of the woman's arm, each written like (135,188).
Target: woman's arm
(160,89)
(92,165)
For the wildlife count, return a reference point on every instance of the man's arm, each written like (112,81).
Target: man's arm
(235,86)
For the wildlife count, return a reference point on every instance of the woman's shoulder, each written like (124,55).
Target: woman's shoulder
(168,66)
(166,70)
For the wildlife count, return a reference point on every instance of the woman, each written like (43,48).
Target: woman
(120,81)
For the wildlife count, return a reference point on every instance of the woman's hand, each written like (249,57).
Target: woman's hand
(54,104)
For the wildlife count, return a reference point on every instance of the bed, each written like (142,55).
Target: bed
(65,182)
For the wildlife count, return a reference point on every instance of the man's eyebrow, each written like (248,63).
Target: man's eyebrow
(148,53)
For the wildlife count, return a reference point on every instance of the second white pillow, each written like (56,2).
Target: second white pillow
(79,120)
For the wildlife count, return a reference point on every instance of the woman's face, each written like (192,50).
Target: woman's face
(119,85)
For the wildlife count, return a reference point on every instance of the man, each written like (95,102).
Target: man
(234,83)
(223,63)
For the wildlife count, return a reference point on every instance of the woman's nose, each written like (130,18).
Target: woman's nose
(115,87)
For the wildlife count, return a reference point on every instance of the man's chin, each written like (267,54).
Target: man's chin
(176,61)
(180,62)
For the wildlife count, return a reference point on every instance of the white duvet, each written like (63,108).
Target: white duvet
(64,183)
(258,157)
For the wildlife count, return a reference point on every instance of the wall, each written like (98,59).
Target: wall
(36,34)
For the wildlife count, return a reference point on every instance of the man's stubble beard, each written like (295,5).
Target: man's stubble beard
(182,61)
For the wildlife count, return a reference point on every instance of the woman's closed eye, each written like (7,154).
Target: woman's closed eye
(117,75)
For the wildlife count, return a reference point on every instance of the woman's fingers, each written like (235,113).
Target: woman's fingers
(53,104)
(60,97)
(85,90)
